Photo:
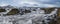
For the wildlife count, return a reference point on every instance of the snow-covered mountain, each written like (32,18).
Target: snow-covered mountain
(35,16)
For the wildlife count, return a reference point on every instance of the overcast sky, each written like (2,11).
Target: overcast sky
(31,3)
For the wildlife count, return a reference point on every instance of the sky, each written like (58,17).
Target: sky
(31,3)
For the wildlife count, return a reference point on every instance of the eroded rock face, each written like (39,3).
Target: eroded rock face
(13,12)
(2,10)
(27,11)
(58,13)
(16,11)
(48,10)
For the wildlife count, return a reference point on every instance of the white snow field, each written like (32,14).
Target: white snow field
(30,18)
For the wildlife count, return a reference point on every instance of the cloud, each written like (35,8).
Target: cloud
(49,5)
(3,4)
(43,0)
(36,4)
(32,3)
